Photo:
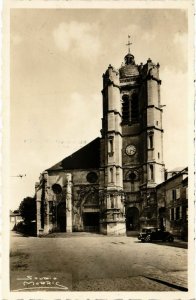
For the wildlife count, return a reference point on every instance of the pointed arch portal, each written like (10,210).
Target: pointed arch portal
(91,212)
(132,218)
(61,216)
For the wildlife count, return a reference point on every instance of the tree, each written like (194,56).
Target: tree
(27,209)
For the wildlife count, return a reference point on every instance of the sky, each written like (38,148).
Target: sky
(57,58)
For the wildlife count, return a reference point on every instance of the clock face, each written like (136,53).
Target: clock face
(130,150)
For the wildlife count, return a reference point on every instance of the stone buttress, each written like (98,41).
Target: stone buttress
(112,219)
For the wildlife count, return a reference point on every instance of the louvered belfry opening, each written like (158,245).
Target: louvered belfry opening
(134,108)
(125,109)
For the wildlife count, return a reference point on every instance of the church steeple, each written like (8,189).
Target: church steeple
(129,68)
(129,44)
(129,58)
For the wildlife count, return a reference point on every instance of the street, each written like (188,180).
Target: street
(92,262)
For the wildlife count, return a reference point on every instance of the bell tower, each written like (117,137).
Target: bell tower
(142,137)
(131,145)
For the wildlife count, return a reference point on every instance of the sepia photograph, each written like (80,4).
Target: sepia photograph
(100,151)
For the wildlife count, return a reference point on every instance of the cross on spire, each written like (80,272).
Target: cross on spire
(129,43)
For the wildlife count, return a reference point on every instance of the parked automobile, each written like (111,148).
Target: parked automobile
(149,234)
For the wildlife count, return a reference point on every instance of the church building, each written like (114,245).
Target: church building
(109,185)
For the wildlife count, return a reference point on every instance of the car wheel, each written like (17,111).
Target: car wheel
(170,239)
(148,238)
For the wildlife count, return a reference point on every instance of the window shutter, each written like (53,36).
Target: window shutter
(175,213)
(180,212)
(186,193)
(169,194)
(177,193)
(170,214)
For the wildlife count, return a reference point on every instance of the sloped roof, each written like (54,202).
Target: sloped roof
(177,169)
(85,158)
(175,173)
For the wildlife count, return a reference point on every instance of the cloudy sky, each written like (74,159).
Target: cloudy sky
(58,57)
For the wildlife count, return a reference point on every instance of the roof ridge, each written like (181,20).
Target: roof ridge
(86,156)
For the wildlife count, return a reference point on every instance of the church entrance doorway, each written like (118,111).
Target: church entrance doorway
(91,221)
(61,216)
(132,218)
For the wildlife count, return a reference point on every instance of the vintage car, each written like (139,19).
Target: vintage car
(154,234)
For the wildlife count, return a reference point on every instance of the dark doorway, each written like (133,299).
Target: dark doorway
(132,218)
(91,221)
(162,217)
(61,216)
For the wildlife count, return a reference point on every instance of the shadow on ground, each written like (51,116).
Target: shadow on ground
(177,243)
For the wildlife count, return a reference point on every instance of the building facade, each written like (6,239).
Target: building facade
(15,218)
(110,184)
(172,204)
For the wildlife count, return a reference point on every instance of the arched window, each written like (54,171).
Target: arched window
(125,108)
(151,172)
(112,201)
(111,175)
(110,146)
(134,108)
(151,141)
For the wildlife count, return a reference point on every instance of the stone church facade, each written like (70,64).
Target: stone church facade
(109,185)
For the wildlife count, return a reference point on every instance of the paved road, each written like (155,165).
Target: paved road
(90,262)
